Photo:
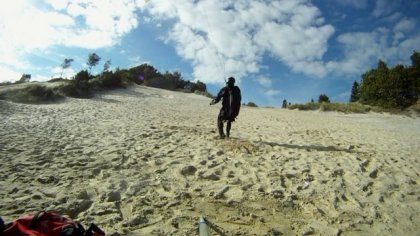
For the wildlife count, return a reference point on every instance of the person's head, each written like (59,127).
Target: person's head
(231,82)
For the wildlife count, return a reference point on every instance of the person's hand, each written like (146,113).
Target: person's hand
(212,102)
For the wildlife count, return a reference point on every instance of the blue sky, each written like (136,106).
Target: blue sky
(285,49)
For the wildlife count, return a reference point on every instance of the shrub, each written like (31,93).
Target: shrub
(111,80)
(34,94)
(307,106)
(200,86)
(96,84)
(162,83)
(340,107)
(251,104)
(5,83)
(82,76)
(323,98)
(56,80)
(81,89)
(126,78)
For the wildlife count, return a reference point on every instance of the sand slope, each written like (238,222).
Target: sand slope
(145,161)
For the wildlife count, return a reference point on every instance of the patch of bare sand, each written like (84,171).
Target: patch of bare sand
(145,161)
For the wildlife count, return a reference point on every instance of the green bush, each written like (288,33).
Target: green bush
(82,76)
(5,83)
(125,78)
(323,98)
(34,94)
(200,86)
(111,80)
(162,83)
(391,88)
(76,89)
(305,107)
(251,104)
(339,107)
(96,84)
(56,80)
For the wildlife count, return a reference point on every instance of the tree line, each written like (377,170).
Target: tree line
(386,88)
(397,87)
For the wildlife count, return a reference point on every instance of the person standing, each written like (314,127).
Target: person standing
(231,104)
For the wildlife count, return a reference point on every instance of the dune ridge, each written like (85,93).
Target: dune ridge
(145,161)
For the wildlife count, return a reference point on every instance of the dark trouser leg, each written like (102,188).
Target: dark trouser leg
(220,126)
(229,124)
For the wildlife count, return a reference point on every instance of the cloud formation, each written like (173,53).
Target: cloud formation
(360,4)
(28,26)
(219,38)
(231,37)
(223,38)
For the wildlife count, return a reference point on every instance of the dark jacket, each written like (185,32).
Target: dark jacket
(231,102)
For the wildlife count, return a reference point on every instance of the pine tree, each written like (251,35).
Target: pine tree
(415,59)
(284,105)
(323,98)
(355,92)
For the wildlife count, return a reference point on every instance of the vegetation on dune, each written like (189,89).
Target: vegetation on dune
(382,90)
(328,106)
(389,88)
(323,98)
(33,93)
(251,104)
(85,85)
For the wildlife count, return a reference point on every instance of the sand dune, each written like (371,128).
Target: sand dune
(145,161)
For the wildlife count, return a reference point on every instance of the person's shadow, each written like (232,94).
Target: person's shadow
(310,147)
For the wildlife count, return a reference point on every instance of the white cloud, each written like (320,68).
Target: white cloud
(360,4)
(219,38)
(40,78)
(405,25)
(299,48)
(8,74)
(264,81)
(394,17)
(362,50)
(272,92)
(384,7)
(26,27)
(224,38)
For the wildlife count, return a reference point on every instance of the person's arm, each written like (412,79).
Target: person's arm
(218,97)
(239,101)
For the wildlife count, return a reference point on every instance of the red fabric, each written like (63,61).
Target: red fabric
(48,224)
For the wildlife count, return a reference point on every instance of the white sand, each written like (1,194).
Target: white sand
(146,161)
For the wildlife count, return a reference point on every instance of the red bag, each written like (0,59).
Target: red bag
(49,223)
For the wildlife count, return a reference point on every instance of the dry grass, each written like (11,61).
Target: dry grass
(356,107)
(30,93)
(239,146)
(340,107)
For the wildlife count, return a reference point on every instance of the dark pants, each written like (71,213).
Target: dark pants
(220,119)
